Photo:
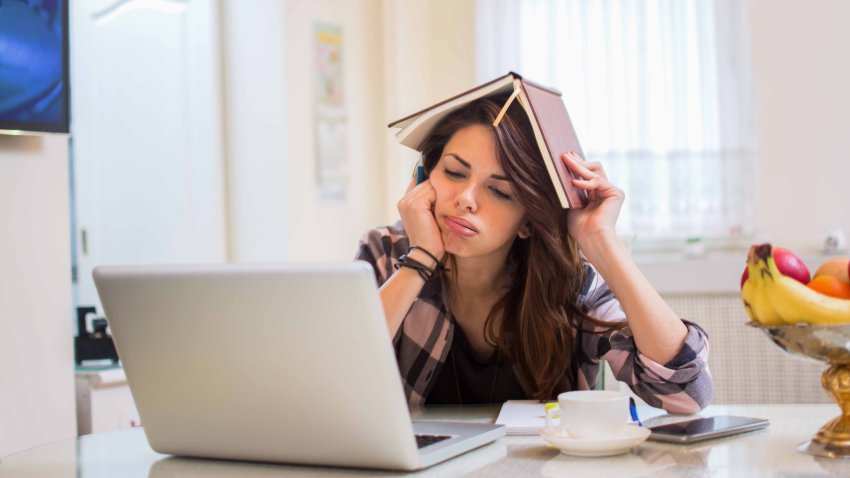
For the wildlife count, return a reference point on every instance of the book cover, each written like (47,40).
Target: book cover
(546,112)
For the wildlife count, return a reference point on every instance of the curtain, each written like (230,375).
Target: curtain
(659,92)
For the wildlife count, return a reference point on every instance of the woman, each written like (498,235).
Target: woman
(492,291)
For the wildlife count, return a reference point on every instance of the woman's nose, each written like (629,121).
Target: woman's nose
(466,198)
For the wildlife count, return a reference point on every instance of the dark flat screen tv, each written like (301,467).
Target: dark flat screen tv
(34,66)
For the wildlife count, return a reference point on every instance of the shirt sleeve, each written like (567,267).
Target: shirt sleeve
(381,248)
(682,385)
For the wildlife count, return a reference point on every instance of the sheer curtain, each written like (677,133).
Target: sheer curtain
(660,94)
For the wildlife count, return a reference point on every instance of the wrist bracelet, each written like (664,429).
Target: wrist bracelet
(438,267)
(424,271)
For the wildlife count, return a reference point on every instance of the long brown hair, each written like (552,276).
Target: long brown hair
(540,311)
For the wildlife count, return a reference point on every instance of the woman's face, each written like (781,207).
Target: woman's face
(476,208)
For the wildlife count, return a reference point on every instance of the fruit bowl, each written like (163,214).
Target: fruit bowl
(830,344)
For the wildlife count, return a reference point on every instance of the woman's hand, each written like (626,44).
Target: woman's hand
(604,200)
(417,213)
(657,330)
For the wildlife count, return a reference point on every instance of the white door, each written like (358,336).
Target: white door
(146,134)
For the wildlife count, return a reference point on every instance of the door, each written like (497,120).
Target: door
(146,135)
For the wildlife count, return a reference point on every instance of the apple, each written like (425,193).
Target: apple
(788,263)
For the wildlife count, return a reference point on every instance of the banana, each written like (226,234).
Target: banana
(792,301)
(758,305)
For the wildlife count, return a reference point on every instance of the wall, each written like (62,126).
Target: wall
(36,345)
(324,229)
(255,130)
(275,212)
(398,57)
(429,56)
(801,73)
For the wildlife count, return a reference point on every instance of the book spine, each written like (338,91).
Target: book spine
(544,152)
(553,128)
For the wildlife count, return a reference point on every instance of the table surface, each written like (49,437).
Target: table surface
(768,452)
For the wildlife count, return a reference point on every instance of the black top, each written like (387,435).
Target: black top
(475,378)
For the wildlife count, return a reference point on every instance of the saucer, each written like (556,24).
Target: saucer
(624,441)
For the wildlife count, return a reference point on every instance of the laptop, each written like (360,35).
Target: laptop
(273,363)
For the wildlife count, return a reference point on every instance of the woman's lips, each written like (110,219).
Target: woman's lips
(459,226)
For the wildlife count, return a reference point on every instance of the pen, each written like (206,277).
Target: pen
(633,411)
(419,172)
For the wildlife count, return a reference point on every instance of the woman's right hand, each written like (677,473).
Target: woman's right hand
(417,214)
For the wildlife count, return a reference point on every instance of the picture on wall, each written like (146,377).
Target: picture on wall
(330,118)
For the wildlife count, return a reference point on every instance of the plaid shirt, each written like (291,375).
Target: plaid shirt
(683,385)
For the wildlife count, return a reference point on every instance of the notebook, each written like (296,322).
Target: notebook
(280,363)
(553,129)
(522,417)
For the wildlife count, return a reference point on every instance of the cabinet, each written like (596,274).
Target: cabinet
(104,402)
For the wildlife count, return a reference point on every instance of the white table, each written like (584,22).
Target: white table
(769,452)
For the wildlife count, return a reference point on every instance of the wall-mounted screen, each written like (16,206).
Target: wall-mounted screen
(34,66)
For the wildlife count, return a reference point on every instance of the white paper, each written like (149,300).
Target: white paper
(522,417)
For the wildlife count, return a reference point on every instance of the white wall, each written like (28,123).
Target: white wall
(255,130)
(429,56)
(398,57)
(36,343)
(275,212)
(321,229)
(801,74)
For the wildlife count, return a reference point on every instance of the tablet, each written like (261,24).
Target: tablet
(705,428)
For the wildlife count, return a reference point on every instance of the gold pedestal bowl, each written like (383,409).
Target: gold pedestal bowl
(830,344)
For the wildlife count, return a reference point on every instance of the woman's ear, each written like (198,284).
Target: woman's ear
(525,230)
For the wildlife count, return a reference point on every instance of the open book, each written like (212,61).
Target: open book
(552,127)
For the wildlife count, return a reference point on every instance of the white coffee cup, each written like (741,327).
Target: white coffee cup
(589,414)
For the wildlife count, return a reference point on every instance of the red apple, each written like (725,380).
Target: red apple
(789,264)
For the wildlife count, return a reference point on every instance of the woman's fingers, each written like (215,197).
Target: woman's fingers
(593,183)
(585,169)
(417,193)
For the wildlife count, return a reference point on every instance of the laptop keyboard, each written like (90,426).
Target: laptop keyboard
(424,440)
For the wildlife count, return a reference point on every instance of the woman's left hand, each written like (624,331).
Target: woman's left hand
(604,200)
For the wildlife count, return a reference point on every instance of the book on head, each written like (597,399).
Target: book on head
(553,130)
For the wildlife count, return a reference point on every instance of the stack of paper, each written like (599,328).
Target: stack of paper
(522,417)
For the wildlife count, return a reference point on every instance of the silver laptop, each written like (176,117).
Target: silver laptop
(280,363)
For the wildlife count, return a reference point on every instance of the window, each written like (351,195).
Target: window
(660,94)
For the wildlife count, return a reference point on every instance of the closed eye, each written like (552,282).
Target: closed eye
(452,174)
(501,195)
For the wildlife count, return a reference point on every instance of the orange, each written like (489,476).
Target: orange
(831,286)
(835,267)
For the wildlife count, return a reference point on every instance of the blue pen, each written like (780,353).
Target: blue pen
(420,173)
(633,411)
